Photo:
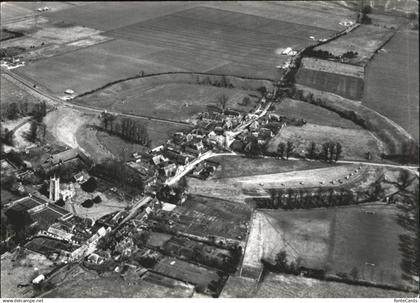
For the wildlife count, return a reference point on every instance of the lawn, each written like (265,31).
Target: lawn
(160,97)
(365,239)
(312,114)
(392,81)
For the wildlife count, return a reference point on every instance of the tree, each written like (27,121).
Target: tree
(338,151)
(280,149)
(90,185)
(245,101)
(354,273)
(312,150)
(12,111)
(40,110)
(222,101)
(289,148)
(32,135)
(367,9)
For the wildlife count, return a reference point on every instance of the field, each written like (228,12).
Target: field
(288,286)
(173,98)
(238,166)
(312,114)
(323,238)
(364,40)
(216,217)
(159,133)
(346,86)
(21,269)
(355,142)
(392,81)
(11,93)
(76,282)
(174,37)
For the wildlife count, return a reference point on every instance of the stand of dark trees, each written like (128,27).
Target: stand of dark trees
(306,198)
(118,173)
(12,111)
(126,128)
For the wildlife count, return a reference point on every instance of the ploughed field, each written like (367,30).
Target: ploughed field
(392,81)
(245,39)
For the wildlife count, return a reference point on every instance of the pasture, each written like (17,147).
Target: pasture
(355,142)
(364,40)
(392,81)
(312,114)
(165,97)
(361,242)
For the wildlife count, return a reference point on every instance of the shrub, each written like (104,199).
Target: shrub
(88,203)
(97,200)
(90,185)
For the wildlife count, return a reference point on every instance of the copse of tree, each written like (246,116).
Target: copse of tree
(39,111)
(6,136)
(32,134)
(126,128)
(289,149)
(280,149)
(312,151)
(90,185)
(222,101)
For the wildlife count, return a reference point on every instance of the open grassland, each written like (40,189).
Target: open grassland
(11,93)
(392,81)
(288,286)
(92,67)
(312,114)
(364,40)
(355,142)
(88,284)
(239,166)
(168,97)
(323,238)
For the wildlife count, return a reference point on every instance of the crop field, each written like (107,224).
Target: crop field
(346,86)
(217,37)
(365,40)
(323,239)
(172,101)
(355,142)
(392,81)
(312,114)
(175,37)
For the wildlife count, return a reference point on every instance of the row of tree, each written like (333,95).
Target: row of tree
(126,128)
(306,198)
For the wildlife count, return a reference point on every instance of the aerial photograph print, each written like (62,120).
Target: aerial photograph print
(209,149)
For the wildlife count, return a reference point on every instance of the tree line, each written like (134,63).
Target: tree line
(125,128)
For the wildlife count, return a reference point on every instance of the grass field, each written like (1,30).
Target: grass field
(238,166)
(324,238)
(392,82)
(365,40)
(312,114)
(163,99)
(288,286)
(355,142)
(10,93)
